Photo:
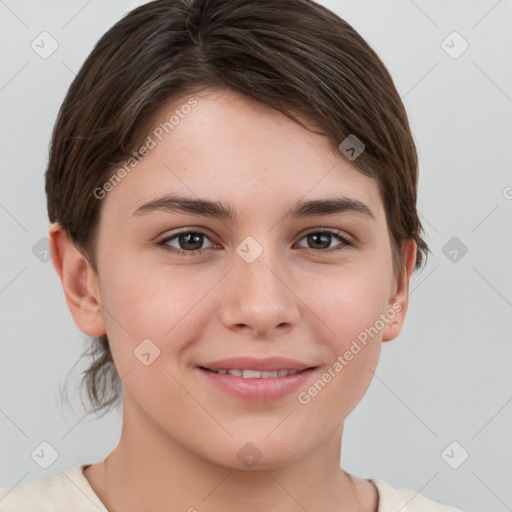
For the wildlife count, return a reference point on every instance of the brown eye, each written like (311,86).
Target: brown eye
(321,240)
(185,242)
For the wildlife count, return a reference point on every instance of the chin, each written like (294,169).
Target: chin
(260,455)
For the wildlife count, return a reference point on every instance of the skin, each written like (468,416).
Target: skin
(180,436)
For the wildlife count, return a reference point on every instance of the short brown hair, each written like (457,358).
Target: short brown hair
(293,55)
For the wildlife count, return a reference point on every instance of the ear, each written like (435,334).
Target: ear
(79,282)
(399,300)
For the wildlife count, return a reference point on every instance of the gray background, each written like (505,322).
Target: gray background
(446,378)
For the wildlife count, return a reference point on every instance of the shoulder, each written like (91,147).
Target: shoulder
(392,499)
(66,491)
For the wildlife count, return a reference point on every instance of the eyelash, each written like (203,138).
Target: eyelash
(345,241)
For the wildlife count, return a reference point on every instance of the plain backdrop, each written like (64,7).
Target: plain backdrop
(437,417)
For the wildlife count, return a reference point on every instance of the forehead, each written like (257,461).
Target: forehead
(220,144)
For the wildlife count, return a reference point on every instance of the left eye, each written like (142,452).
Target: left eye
(325,236)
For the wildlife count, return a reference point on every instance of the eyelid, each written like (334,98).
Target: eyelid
(331,231)
(187,229)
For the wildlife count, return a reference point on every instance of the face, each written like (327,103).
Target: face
(182,289)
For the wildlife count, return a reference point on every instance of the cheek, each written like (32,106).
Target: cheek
(353,353)
(152,302)
(149,316)
(350,300)
(350,310)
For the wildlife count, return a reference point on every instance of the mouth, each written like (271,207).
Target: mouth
(255,374)
(253,385)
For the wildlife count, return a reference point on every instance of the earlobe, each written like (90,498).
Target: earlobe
(79,282)
(398,303)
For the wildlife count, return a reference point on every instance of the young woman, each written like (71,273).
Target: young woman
(232,192)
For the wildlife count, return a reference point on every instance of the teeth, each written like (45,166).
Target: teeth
(255,374)
(251,374)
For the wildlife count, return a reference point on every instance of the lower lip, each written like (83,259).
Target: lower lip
(258,390)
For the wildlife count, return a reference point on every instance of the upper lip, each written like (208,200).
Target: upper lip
(269,364)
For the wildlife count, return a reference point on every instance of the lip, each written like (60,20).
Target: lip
(257,390)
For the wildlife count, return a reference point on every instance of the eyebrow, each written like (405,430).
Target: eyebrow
(218,209)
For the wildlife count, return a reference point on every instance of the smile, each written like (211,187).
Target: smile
(254,374)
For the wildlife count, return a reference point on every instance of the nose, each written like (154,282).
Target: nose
(258,297)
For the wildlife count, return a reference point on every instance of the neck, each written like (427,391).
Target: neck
(151,471)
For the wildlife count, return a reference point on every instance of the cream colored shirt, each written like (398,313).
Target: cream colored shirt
(70,491)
